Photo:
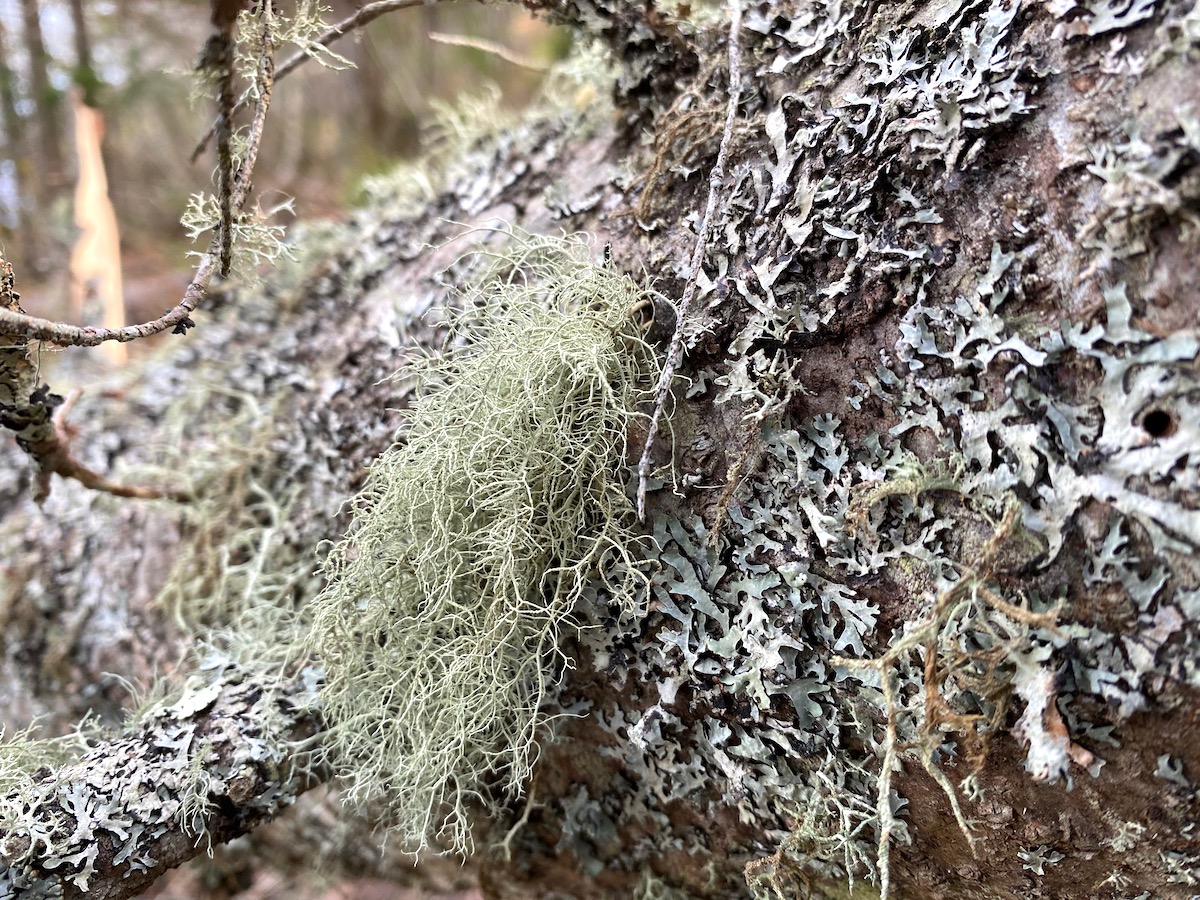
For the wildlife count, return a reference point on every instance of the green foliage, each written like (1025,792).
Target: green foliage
(474,539)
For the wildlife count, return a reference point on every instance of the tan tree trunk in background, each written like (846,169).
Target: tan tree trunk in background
(97,292)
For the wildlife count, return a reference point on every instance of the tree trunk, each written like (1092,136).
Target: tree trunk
(84,76)
(16,148)
(46,101)
(923,608)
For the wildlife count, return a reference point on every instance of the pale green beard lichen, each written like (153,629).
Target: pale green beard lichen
(474,539)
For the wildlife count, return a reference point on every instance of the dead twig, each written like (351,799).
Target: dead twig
(361,17)
(926,635)
(493,47)
(218,58)
(16,324)
(716,181)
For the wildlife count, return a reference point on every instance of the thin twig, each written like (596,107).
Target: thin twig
(485,46)
(54,457)
(37,329)
(266,84)
(716,180)
(363,16)
(13,323)
(218,58)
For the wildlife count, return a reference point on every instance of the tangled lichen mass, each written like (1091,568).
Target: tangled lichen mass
(475,537)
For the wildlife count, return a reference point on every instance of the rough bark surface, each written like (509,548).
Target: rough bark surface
(926,529)
(220,760)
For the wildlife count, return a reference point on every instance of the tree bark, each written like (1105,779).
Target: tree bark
(930,547)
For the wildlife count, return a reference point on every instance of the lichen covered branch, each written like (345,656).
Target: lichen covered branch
(226,756)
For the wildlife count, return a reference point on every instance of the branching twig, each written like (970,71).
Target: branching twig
(32,412)
(16,324)
(716,180)
(361,17)
(27,408)
(926,635)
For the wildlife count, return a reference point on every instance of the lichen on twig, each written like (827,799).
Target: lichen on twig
(311,48)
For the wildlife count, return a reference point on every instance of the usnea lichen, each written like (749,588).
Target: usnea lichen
(475,537)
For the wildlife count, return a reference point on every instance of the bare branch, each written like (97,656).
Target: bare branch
(493,47)
(716,180)
(28,409)
(220,761)
(361,17)
(14,324)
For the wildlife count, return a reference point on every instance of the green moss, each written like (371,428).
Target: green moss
(475,537)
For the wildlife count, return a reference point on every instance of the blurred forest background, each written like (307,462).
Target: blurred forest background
(132,62)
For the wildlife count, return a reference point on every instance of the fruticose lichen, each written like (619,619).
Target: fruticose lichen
(475,537)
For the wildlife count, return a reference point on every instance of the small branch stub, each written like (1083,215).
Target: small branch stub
(29,409)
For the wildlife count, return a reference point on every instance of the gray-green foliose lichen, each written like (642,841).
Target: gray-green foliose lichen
(992,407)
(228,737)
